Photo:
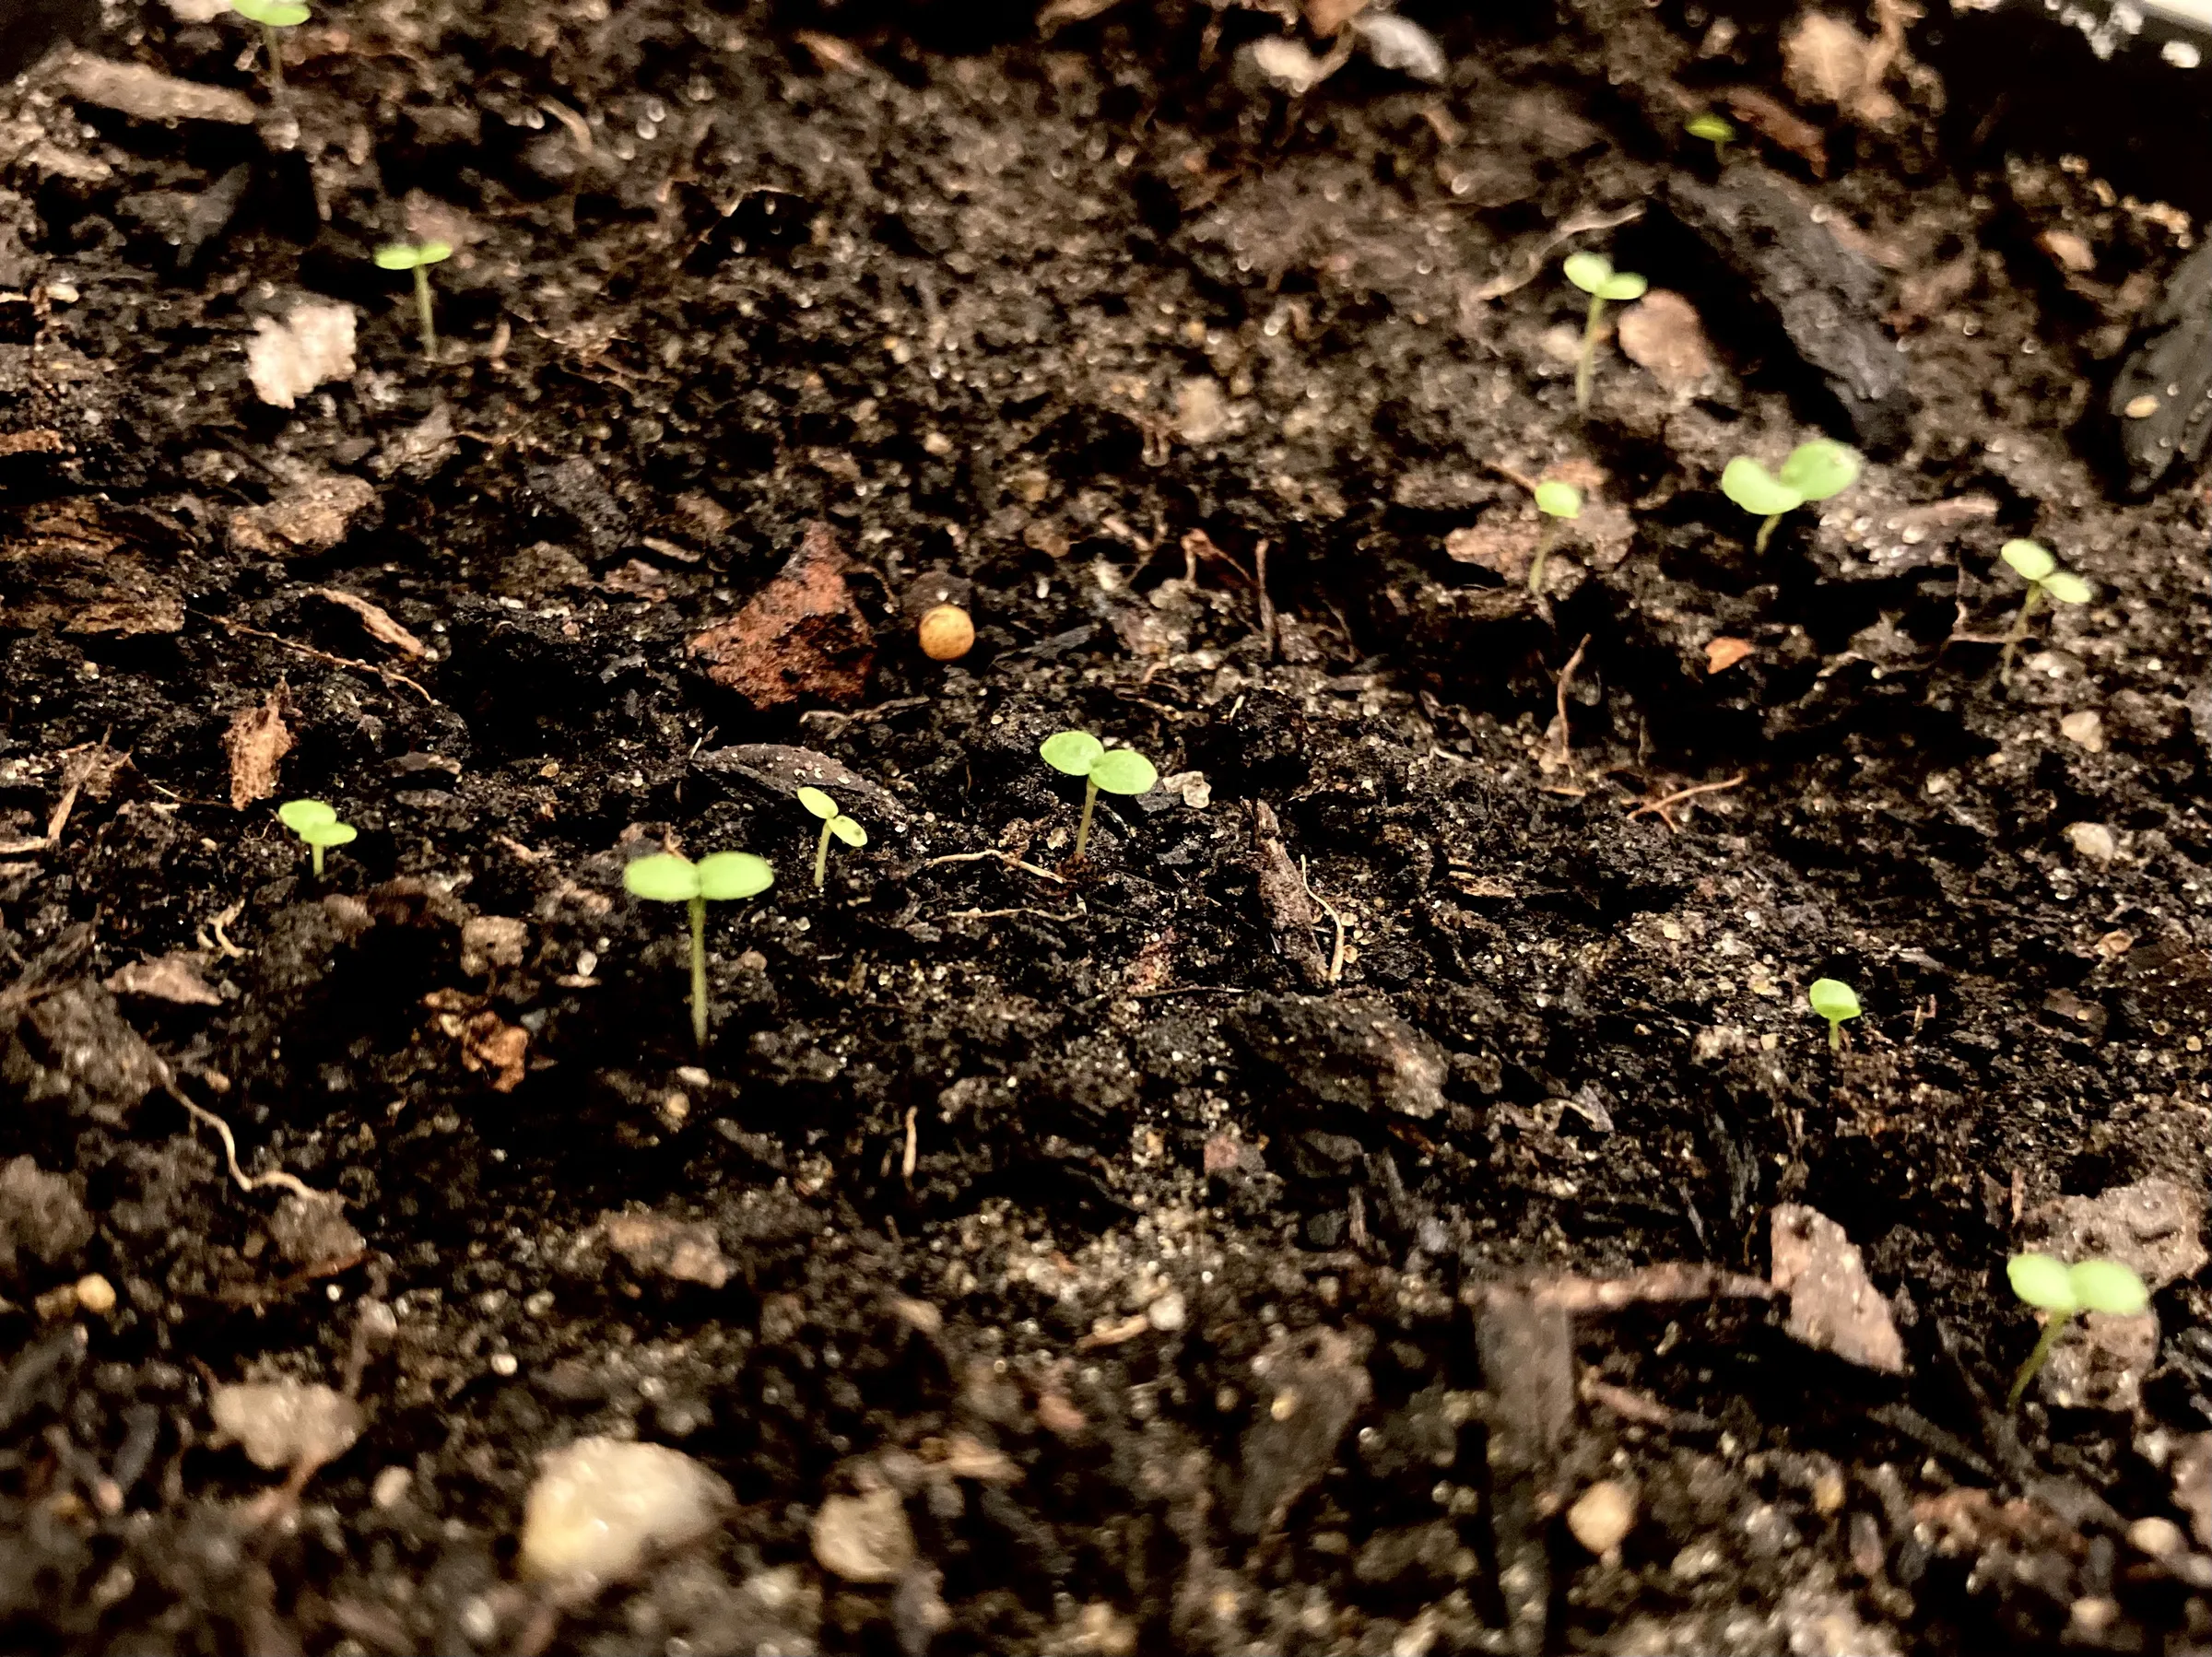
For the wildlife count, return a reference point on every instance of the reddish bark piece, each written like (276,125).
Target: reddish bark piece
(800,636)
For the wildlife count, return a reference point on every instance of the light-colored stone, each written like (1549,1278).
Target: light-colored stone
(287,1424)
(1169,1313)
(2085,729)
(2156,1536)
(864,1538)
(1603,1516)
(1832,1305)
(600,1506)
(489,941)
(310,346)
(2092,840)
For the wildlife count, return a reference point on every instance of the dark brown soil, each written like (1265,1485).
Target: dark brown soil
(1229,1270)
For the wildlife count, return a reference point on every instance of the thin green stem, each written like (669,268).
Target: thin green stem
(821,856)
(1536,565)
(1090,798)
(1582,368)
(2035,1358)
(316,852)
(422,308)
(1835,1035)
(268,32)
(699,970)
(1766,533)
(2029,606)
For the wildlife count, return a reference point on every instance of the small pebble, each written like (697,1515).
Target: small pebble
(391,1487)
(2085,729)
(1601,1517)
(2157,1537)
(62,293)
(946,633)
(864,1538)
(503,1363)
(1169,1313)
(600,1504)
(2092,840)
(96,1294)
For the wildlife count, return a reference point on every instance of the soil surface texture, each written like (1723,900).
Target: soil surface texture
(1389,1195)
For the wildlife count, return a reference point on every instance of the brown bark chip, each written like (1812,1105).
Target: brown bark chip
(801,636)
(257,742)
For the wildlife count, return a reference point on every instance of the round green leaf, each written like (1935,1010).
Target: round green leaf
(1125,771)
(1711,129)
(820,804)
(2068,587)
(1556,499)
(1622,286)
(1589,272)
(729,874)
(329,834)
(433,253)
(1755,489)
(1820,468)
(1832,999)
(851,832)
(664,877)
(2108,1285)
(396,256)
(299,816)
(2041,1281)
(1073,752)
(2029,559)
(279,13)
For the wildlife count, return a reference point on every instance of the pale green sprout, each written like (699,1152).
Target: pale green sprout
(671,877)
(417,257)
(1716,131)
(1594,275)
(1558,502)
(2062,1290)
(2032,562)
(1117,771)
(1834,1000)
(272,15)
(1813,472)
(834,821)
(316,822)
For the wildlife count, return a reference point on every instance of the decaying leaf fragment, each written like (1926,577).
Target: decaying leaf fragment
(257,742)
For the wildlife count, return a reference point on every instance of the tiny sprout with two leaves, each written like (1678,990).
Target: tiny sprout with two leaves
(834,821)
(1594,275)
(1716,131)
(316,822)
(272,15)
(1558,501)
(2062,1290)
(671,877)
(1834,1000)
(417,257)
(1814,472)
(1117,771)
(2032,562)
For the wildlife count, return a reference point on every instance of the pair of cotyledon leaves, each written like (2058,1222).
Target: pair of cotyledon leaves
(2031,561)
(671,877)
(316,822)
(1594,275)
(1813,472)
(1117,770)
(2106,1286)
(824,807)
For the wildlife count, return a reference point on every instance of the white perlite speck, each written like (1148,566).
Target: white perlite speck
(287,359)
(600,1504)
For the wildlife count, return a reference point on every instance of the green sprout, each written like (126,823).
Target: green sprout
(1117,771)
(2062,1290)
(1594,275)
(1558,501)
(1814,472)
(1835,1001)
(316,822)
(417,257)
(2032,562)
(1716,131)
(834,821)
(671,877)
(272,15)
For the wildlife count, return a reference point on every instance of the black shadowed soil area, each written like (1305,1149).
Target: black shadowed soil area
(1391,1196)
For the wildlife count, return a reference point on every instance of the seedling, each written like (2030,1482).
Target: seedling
(1117,771)
(1716,131)
(316,822)
(1814,472)
(272,15)
(1594,275)
(2032,562)
(417,257)
(1835,1001)
(671,877)
(2061,1291)
(834,821)
(1558,502)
